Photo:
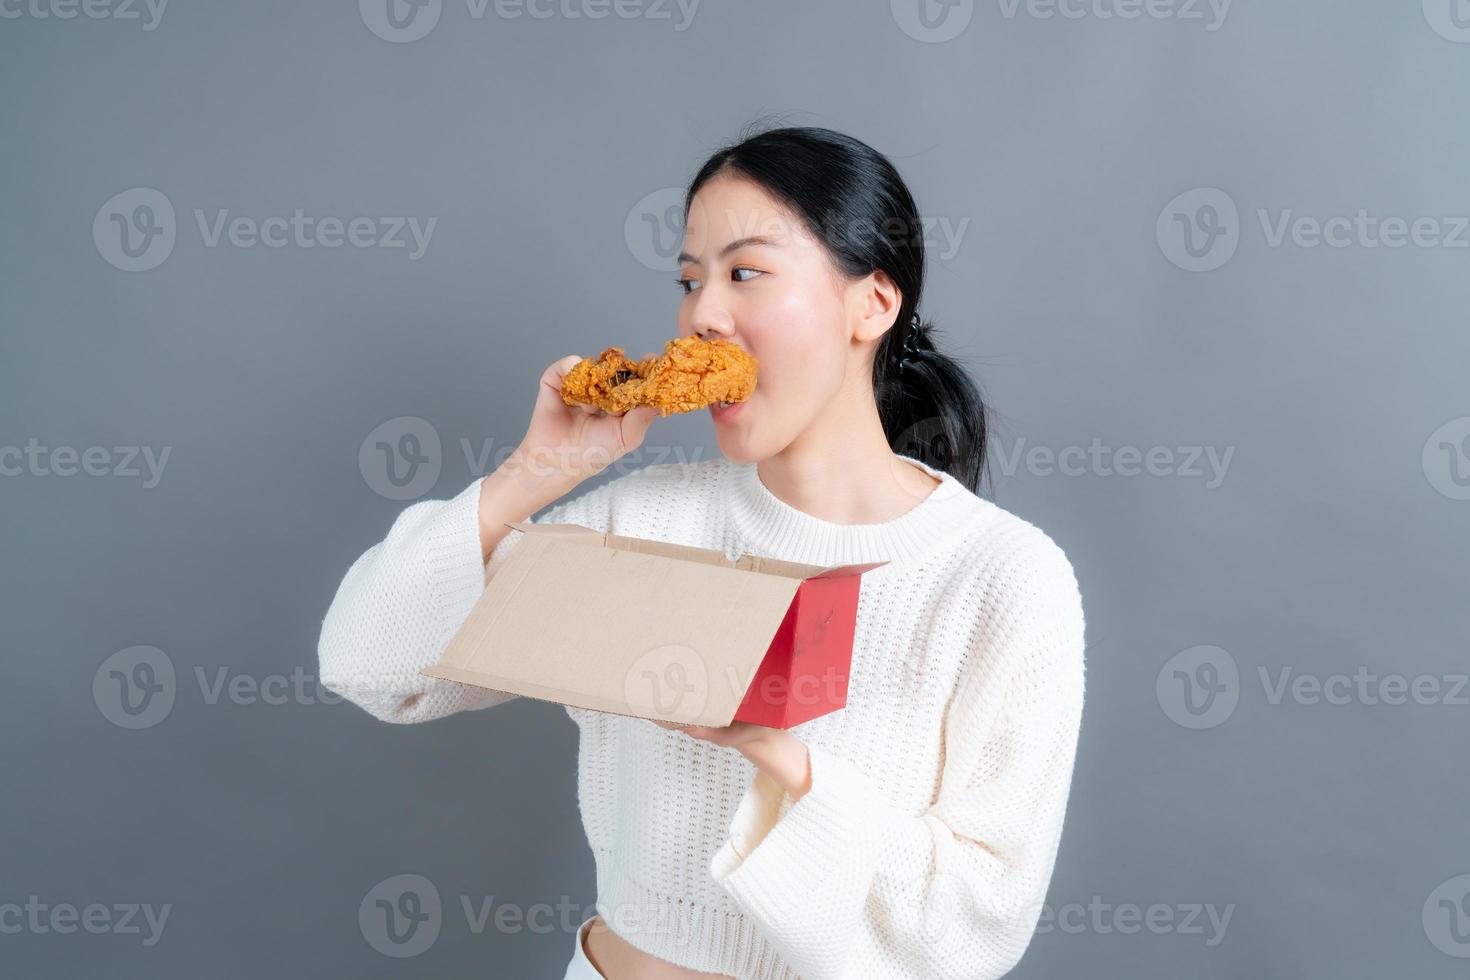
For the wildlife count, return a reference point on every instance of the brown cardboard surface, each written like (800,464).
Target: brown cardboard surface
(626,625)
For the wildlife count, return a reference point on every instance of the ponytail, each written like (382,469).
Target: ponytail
(930,407)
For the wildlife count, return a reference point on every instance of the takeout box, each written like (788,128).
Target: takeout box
(663,631)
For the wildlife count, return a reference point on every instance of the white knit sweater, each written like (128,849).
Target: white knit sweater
(925,844)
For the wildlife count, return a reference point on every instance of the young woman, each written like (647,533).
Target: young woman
(911,833)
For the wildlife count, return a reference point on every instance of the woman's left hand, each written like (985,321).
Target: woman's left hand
(733,735)
(775,751)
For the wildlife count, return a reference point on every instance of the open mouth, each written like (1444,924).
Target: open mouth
(724,410)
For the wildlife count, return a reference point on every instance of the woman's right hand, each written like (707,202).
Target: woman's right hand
(566,444)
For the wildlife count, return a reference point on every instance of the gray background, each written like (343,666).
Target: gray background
(1335,543)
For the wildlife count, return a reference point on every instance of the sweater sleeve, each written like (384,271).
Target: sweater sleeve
(405,597)
(957,890)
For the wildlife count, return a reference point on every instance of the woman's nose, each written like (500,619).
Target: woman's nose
(714,333)
(706,314)
(708,322)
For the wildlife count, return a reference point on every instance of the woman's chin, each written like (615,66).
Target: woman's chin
(735,445)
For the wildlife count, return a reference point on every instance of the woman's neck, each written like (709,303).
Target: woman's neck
(841,469)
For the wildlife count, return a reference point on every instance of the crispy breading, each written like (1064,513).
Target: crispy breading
(604,381)
(690,374)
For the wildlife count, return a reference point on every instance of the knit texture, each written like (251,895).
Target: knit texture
(926,842)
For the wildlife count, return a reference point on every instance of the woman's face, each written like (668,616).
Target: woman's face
(752,274)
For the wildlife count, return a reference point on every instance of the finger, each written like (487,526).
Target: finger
(636,422)
(560,367)
(552,377)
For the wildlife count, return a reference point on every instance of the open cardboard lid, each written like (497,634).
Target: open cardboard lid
(627,625)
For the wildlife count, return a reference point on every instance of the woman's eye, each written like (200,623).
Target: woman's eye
(688,285)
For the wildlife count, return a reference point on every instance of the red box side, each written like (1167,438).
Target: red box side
(804,674)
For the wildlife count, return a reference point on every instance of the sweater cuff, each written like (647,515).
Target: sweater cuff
(452,553)
(782,855)
(764,804)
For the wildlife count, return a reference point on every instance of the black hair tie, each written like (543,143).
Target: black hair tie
(911,351)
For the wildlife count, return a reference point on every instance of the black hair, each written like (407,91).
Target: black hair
(852,199)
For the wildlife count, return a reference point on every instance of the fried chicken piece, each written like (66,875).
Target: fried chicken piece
(690,374)
(610,381)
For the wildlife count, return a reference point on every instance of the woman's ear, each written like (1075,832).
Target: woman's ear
(875,301)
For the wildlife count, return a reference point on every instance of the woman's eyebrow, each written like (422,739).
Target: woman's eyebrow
(738,243)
